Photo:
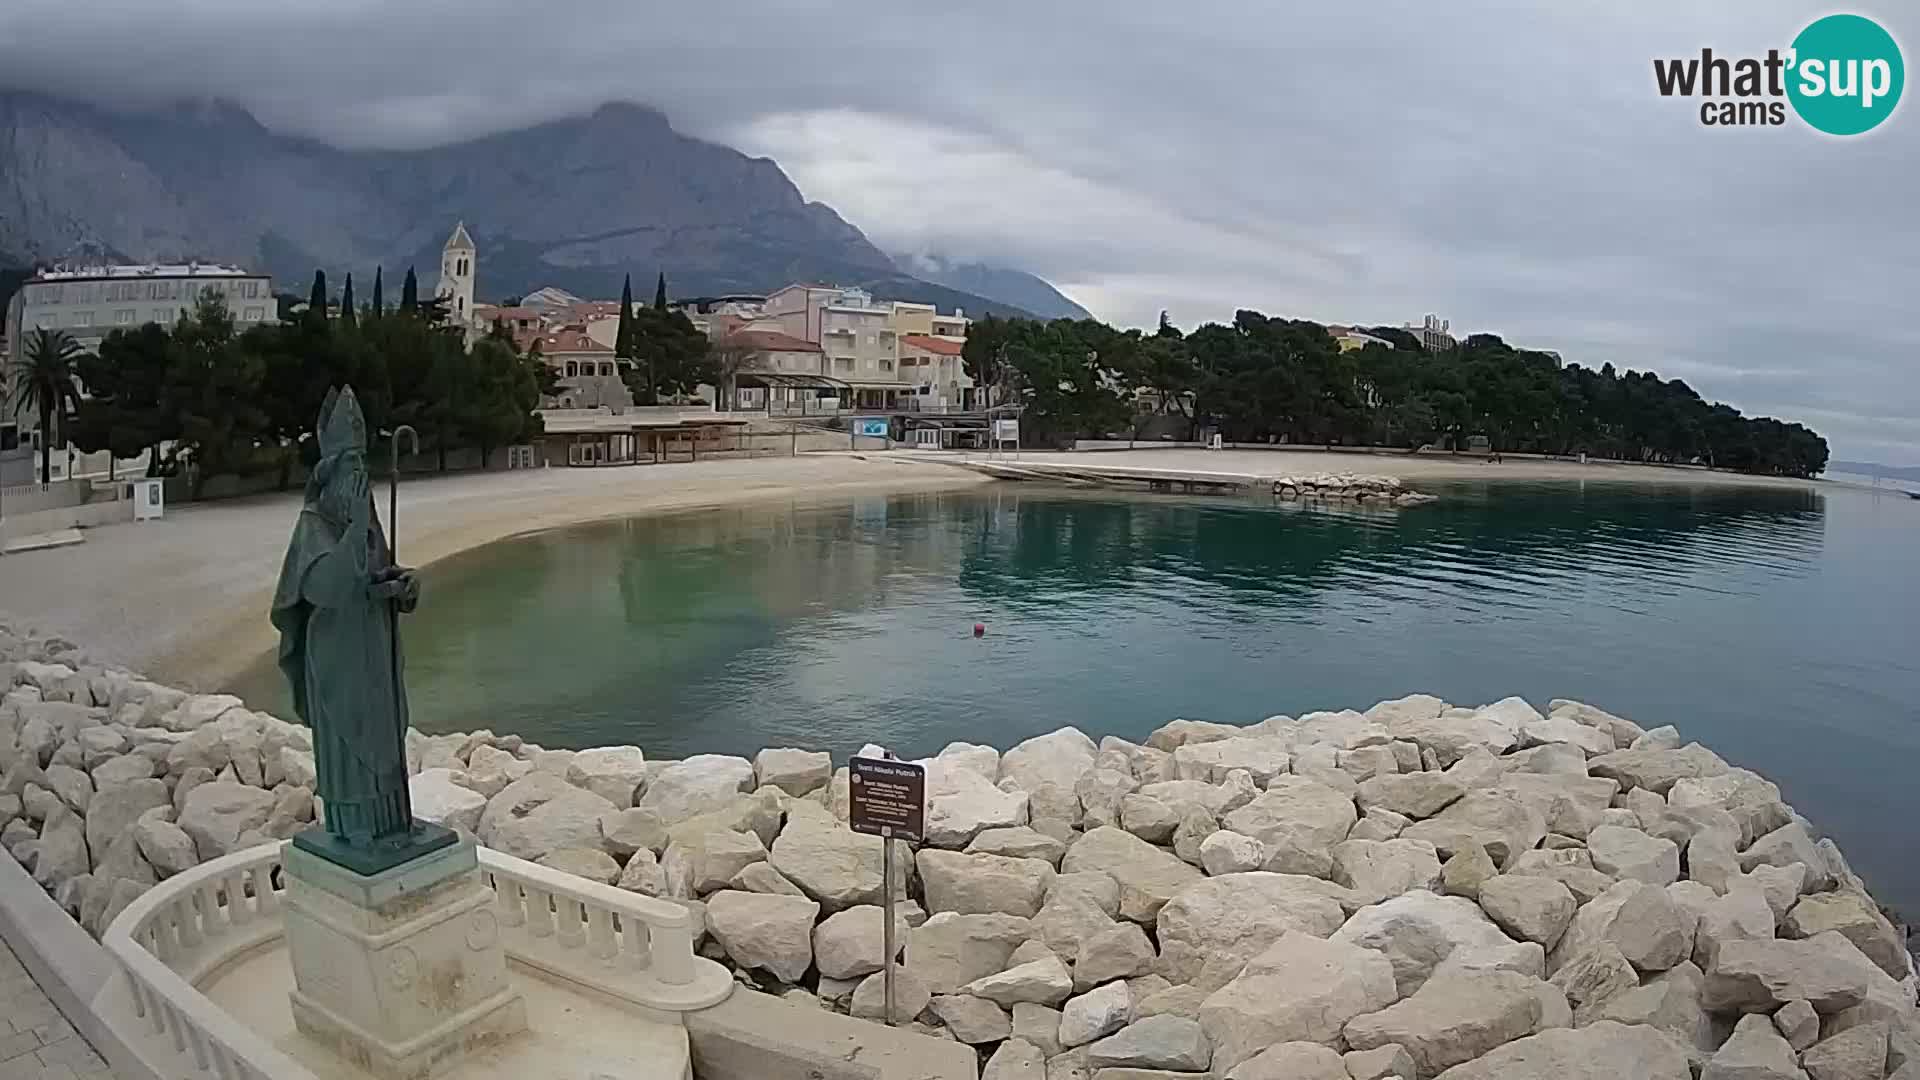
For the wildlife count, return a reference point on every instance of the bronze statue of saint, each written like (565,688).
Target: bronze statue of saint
(337,607)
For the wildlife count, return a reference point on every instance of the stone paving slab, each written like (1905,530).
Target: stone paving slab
(36,1042)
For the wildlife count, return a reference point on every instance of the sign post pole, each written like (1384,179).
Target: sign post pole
(886,908)
(888,799)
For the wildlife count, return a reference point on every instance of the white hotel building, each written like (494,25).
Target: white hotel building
(88,302)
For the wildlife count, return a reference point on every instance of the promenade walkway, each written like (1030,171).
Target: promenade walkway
(36,1042)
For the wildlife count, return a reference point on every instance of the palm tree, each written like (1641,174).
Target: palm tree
(45,378)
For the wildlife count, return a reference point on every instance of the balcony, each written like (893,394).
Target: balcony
(606,975)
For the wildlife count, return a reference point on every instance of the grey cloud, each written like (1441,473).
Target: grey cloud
(1507,164)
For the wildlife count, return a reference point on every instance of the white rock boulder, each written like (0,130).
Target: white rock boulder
(1039,982)
(1453,1020)
(794,771)
(758,930)
(697,785)
(950,950)
(1416,931)
(1630,853)
(1299,989)
(1148,876)
(1294,808)
(1214,926)
(438,799)
(219,813)
(983,884)
(615,773)
(1601,1051)
(852,943)
(1761,976)
(1095,1014)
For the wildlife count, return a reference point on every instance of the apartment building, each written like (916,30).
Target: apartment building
(89,302)
(589,373)
(1434,332)
(933,368)
(912,318)
(952,327)
(781,374)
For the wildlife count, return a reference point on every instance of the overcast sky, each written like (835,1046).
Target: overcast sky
(1505,165)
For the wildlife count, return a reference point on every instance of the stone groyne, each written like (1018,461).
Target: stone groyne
(1348,487)
(1411,891)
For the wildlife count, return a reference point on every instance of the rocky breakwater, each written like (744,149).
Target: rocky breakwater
(1411,891)
(1348,487)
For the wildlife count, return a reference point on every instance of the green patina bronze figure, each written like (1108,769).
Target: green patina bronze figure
(337,607)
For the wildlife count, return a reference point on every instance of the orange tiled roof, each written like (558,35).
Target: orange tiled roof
(570,341)
(933,344)
(770,341)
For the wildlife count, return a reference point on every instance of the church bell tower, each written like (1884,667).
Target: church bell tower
(456,275)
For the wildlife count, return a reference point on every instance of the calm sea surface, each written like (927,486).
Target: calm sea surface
(1781,628)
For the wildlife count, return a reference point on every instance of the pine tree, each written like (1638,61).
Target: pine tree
(410,294)
(379,300)
(348,316)
(660,292)
(623,337)
(317,297)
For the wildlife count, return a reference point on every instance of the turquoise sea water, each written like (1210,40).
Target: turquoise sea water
(1782,628)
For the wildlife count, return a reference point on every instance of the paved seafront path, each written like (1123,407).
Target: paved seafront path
(36,1042)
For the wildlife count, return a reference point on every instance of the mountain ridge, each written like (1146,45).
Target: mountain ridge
(578,202)
(1030,291)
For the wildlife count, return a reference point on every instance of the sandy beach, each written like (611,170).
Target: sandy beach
(1408,467)
(185,599)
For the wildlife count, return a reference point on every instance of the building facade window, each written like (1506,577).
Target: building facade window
(123,317)
(256,314)
(573,370)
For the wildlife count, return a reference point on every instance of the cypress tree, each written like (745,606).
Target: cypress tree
(623,337)
(660,292)
(348,316)
(410,294)
(379,300)
(317,297)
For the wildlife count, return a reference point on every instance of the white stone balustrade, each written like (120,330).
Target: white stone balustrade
(636,948)
(185,927)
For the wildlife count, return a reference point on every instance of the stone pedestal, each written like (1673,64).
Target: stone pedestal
(401,972)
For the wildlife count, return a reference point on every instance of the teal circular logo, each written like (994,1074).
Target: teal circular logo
(1846,74)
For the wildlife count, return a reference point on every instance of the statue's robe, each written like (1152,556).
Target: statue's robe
(340,653)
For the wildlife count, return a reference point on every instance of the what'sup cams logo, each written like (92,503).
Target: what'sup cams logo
(1842,76)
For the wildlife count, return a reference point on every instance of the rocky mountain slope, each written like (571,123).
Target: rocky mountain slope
(576,202)
(1016,287)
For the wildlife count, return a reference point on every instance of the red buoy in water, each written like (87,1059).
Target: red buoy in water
(979,629)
